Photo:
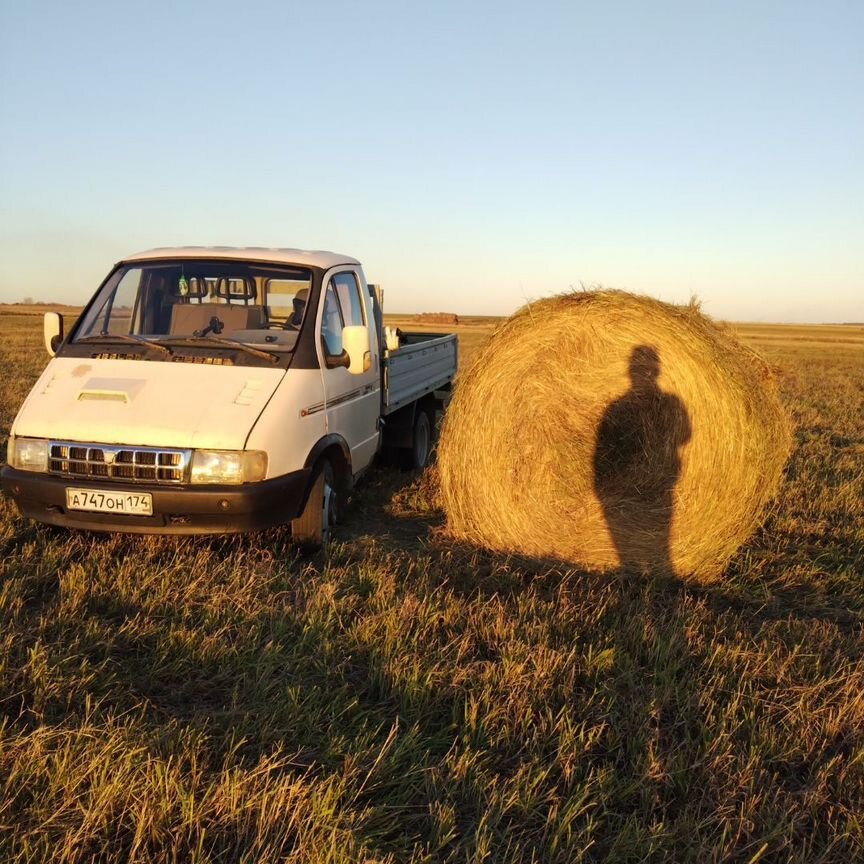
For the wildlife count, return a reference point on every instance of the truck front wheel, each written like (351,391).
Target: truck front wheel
(311,529)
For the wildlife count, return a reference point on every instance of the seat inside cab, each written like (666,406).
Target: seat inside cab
(188,319)
(240,302)
(231,300)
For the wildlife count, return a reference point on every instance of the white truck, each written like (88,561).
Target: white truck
(212,389)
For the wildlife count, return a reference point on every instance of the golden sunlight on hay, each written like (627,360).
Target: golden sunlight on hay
(611,430)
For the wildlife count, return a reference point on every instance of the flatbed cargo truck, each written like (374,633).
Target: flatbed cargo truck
(218,389)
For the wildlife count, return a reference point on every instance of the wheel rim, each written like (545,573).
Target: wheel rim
(327,507)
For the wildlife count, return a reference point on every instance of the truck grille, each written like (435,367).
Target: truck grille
(144,464)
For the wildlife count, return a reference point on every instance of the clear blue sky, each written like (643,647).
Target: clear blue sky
(471,155)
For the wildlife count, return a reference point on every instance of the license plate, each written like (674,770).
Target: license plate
(97,501)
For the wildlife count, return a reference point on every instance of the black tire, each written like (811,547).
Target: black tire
(311,530)
(421,441)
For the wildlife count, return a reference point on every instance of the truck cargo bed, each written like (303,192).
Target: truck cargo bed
(423,363)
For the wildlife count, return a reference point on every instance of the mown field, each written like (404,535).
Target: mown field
(407,699)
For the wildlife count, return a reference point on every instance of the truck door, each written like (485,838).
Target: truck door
(351,401)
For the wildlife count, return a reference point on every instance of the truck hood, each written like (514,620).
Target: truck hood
(146,403)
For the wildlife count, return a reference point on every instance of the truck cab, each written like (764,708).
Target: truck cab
(213,389)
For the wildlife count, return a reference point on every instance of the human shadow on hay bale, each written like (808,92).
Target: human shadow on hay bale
(637,463)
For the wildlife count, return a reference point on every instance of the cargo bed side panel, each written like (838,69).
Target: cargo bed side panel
(417,369)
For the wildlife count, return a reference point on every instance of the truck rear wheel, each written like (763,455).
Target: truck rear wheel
(421,440)
(312,528)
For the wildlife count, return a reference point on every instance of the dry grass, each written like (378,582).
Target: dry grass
(414,700)
(610,430)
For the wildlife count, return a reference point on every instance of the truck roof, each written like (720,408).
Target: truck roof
(304,257)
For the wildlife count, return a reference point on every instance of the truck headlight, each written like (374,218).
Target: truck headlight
(28,454)
(228,466)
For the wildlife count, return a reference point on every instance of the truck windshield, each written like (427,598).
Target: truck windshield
(159,301)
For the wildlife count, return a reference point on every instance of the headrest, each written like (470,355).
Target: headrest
(236,288)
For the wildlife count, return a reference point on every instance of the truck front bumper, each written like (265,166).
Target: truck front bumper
(176,509)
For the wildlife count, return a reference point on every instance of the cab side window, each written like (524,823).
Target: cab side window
(332,323)
(349,298)
(342,308)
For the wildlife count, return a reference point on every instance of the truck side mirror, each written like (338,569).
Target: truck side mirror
(355,339)
(52,331)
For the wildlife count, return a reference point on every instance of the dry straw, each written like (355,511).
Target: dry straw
(612,430)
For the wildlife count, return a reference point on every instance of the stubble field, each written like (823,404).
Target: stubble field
(412,700)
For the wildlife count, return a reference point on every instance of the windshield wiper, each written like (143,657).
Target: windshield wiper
(231,343)
(125,337)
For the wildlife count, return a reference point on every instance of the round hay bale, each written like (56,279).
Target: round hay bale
(613,431)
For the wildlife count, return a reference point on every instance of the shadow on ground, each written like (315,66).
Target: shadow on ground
(476,705)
